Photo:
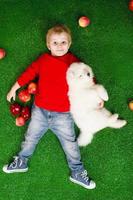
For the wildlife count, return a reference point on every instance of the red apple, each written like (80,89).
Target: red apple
(15,109)
(25,113)
(2,53)
(131,105)
(131,5)
(32,88)
(24,96)
(84,21)
(20,121)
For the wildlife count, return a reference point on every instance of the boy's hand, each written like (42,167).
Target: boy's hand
(12,93)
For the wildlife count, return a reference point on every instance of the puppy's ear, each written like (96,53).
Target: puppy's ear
(71,74)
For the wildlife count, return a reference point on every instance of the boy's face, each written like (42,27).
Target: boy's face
(58,44)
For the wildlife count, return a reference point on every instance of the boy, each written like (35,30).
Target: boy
(51,106)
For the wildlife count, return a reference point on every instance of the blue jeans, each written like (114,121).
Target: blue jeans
(62,124)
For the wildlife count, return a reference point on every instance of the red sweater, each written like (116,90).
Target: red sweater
(52,85)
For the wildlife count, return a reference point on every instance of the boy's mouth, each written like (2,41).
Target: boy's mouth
(59,50)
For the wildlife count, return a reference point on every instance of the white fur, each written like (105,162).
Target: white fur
(87,103)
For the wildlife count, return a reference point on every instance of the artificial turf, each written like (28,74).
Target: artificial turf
(107,46)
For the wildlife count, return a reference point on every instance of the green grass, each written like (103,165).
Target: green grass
(107,46)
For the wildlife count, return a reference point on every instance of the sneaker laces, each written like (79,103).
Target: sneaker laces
(85,176)
(15,163)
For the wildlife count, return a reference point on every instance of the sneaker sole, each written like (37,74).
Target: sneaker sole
(13,170)
(91,186)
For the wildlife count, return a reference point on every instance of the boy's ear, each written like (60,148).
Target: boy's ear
(48,45)
(70,44)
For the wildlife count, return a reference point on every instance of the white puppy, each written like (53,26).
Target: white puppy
(87,103)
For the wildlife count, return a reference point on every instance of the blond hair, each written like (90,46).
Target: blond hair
(58,29)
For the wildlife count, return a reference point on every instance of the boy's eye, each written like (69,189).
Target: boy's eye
(55,43)
(64,42)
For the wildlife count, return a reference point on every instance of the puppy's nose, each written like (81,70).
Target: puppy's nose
(94,80)
(88,74)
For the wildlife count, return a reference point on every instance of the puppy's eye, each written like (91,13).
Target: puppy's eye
(88,74)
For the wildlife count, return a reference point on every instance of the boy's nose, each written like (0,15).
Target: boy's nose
(59,45)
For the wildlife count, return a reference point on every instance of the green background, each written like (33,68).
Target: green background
(107,46)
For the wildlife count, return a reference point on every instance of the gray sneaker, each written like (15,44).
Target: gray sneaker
(83,180)
(18,165)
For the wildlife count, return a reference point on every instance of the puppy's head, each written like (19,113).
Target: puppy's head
(80,74)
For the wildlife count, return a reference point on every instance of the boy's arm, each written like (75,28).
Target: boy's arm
(12,92)
(74,59)
(29,74)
